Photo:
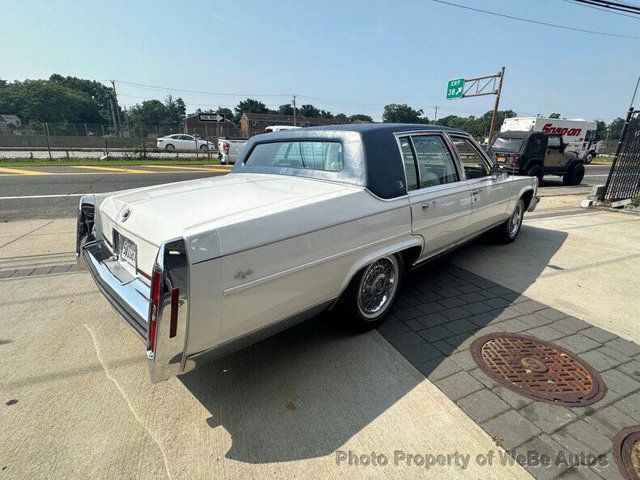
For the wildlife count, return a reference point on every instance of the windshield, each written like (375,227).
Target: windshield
(508,144)
(310,155)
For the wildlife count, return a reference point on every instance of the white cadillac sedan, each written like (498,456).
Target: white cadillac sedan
(182,141)
(308,220)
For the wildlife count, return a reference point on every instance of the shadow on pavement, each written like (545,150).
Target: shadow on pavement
(306,391)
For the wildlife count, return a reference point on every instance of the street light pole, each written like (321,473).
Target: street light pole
(294,110)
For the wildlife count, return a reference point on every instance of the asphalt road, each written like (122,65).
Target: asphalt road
(56,195)
(53,192)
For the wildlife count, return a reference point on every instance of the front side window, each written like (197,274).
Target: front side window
(472,161)
(435,162)
(310,155)
(554,141)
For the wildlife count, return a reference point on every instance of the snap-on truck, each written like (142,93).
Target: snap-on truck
(579,135)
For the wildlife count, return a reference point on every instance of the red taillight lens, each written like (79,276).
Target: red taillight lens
(154,308)
(225,147)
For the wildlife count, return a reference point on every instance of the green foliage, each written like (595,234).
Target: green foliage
(309,111)
(402,113)
(477,126)
(359,118)
(286,109)
(171,113)
(601,130)
(615,128)
(54,101)
(250,105)
(635,202)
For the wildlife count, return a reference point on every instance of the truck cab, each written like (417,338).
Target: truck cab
(537,154)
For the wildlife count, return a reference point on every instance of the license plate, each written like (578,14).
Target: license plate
(501,159)
(128,251)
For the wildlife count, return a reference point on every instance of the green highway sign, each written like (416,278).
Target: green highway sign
(455,88)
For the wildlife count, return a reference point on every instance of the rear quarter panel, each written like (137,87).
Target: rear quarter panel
(299,269)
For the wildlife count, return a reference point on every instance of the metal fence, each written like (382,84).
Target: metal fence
(624,178)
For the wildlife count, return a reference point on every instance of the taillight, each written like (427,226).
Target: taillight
(225,147)
(154,308)
(515,159)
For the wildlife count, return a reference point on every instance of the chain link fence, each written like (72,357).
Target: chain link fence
(90,140)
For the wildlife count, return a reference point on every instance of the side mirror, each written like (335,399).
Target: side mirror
(497,170)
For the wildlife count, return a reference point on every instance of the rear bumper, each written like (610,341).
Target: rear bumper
(127,294)
(130,296)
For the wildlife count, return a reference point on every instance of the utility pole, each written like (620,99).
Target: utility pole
(115,98)
(495,107)
(113,116)
(294,110)
(435,117)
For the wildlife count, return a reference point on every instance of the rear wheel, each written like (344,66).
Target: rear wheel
(509,230)
(371,293)
(574,175)
(169,146)
(536,171)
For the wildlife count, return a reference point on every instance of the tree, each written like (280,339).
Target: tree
(250,105)
(402,113)
(171,113)
(49,101)
(309,111)
(615,128)
(285,109)
(228,114)
(361,118)
(601,130)
(96,91)
(554,115)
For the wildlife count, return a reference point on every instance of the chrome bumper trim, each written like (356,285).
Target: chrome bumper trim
(127,294)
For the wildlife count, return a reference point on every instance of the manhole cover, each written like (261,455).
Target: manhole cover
(626,451)
(538,369)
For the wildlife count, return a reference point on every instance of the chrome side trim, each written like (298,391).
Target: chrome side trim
(298,268)
(198,359)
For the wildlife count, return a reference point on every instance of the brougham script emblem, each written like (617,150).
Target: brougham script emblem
(242,274)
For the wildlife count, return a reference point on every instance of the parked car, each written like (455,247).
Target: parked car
(537,154)
(229,149)
(182,141)
(308,220)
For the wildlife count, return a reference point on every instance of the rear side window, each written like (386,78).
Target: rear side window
(435,162)
(309,155)
(554,141)
(474,164)
(507,144)
(409,164)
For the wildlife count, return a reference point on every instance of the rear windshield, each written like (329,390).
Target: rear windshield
(508,144)
(311,155)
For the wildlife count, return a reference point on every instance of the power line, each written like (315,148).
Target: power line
(622,7)
(199,92)
(536,22)
(601,9)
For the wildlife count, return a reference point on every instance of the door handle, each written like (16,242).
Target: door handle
(476,192)
(428,204)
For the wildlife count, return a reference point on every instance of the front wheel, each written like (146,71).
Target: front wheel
(371,293)
(508,231)
(589,158)
(169,146)
(574,175)
(204,147)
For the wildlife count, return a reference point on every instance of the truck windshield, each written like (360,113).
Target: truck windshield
(311,155)
(509,144)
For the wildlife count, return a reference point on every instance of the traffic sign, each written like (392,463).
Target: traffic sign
(211,117)
(455,88)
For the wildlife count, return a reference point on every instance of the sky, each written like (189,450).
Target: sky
(351,56)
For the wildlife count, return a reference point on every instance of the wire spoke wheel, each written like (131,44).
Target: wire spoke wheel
(515,221)
(377,287)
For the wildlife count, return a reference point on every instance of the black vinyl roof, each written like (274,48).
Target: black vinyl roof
(372,156)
